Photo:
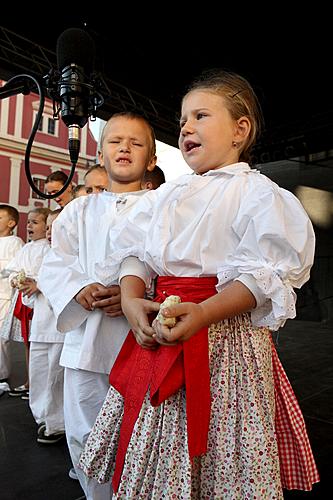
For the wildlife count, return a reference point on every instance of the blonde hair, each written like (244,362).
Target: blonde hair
(240,100)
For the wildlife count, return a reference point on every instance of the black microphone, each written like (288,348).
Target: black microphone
(75,87)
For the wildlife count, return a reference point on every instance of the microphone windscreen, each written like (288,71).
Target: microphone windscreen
(75,46)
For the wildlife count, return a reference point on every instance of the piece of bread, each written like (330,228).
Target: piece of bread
(20,279)
(169,301)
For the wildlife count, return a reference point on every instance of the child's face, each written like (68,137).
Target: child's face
(36,226)
(7,224)
(81,192)
(127,150)
(96,181)
(53,187)
(49,222)
(207,132)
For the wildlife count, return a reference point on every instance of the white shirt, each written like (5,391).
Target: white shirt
(9,246)
(82,236)
(233,223)
(43,323)
(29,258)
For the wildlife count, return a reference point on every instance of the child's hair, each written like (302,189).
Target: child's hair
(12,213)
(240,100)
(95,167)
(58,175)
(155,176)
(56,211)
(42,211)
(133,116)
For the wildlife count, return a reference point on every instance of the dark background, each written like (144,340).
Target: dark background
(148,57)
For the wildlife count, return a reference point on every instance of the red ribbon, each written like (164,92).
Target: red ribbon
(165,371)
(24,314)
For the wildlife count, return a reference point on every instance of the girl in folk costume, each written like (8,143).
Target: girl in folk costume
(204,409)
(46,376)
(25,264)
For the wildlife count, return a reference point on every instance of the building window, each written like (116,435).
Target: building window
(40,184)
(47,125)
(51,126)
(40,124)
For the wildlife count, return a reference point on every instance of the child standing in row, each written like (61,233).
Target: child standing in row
(206,408)
(9,246)
(25,264)
(86,308)
(46,376)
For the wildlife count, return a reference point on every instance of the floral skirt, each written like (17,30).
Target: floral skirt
(11,326)
(242,460)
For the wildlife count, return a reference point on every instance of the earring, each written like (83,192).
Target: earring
(234,144)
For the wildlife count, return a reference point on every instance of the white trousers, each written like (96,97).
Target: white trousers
(5,364)
(46,385)
(84,394)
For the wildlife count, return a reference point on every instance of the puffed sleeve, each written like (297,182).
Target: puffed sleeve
(274,254)
(61,276)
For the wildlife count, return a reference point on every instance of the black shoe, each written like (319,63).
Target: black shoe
(4,380)
(19,391)
(51,439)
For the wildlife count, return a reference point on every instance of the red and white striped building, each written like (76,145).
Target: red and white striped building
(49,153)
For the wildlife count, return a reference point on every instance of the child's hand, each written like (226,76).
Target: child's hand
(189,321)
(108,300)
(29,287)
(136,311)
(86,298)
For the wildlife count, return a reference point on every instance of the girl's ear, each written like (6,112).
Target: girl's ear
(11,224)
(243,128)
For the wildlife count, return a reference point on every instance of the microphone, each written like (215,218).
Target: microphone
(75,87)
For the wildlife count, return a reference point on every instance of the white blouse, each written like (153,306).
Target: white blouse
(80,238)
(29,258)
(9,246)
(233,223)
(43,323)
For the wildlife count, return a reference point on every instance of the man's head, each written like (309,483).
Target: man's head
(54,182)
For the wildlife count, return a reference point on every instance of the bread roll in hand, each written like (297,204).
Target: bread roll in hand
(169,301)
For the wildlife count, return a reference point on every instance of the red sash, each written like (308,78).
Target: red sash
(24,314)
(165,371)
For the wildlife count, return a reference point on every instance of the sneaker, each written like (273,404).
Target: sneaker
(25,395)
(4,387)
(51,439)
(19,391)
(41,428)
(72,474)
